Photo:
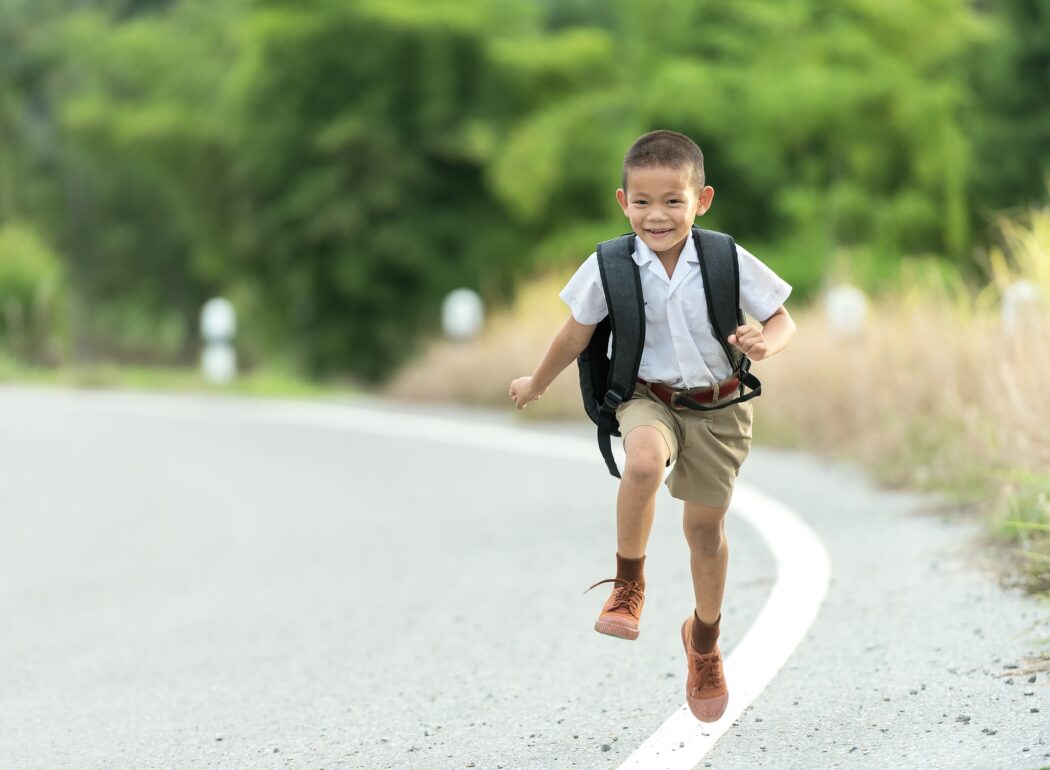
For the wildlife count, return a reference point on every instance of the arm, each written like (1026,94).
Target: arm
(567,344)
(776,332)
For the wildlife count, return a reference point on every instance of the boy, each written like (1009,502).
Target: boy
(663,191)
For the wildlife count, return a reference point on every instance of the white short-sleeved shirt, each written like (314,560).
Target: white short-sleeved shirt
(680,348)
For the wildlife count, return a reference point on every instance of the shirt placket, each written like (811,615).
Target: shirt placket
(690,362)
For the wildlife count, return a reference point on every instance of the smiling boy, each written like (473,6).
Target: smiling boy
(664,190)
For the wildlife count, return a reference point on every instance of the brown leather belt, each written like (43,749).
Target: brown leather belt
(703,395)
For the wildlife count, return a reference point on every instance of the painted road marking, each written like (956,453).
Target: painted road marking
(803,565)
(803,575)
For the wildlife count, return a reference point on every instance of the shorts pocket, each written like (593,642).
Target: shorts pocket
(732,431)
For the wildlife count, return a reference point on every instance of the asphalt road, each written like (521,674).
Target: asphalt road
(186,582)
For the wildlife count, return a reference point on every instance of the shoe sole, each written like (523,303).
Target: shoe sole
(696,705)
(614,629)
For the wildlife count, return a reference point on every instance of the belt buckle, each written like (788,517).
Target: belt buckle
(688,393)
(674,400)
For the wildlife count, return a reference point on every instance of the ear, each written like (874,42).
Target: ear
(621,198)
(703,203)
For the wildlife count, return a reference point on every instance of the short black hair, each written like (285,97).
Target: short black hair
(665,148)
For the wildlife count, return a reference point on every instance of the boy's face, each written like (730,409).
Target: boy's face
(661,202)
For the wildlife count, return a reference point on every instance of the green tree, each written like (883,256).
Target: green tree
(336,167)
(32,288)
(365,130)
(834,124)
(1012,126)
(146,171)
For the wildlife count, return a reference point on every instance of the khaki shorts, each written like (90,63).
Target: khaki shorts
(707,448)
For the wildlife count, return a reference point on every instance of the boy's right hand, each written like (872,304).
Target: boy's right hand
(522,393)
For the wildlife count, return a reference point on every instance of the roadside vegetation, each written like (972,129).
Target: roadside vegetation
(335,168)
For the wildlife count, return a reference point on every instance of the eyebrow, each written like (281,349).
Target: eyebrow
(647,195)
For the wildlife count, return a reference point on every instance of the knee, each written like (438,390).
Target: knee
(706,541)
(704,530)
(644,468)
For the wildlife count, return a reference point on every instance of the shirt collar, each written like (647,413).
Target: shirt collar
(643,255)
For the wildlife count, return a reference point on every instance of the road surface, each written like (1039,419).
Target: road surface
(197,582)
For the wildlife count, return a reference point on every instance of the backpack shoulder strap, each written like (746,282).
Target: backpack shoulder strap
(720,271)
(721,276)
(623,295)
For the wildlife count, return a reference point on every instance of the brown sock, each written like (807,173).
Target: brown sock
(630,569)
(704,636)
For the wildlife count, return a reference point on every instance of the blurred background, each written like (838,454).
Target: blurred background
(335,168)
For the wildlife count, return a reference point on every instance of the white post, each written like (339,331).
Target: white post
(462,315)
(846,309)
(218,327)
(1022,305)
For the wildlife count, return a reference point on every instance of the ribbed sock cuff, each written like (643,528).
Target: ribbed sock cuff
(704,636)
(631,569)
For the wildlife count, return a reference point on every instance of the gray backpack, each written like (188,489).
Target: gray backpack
(606,383)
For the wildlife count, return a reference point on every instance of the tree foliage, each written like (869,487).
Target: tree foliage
(335,168)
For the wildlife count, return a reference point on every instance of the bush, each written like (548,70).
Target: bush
(32,295)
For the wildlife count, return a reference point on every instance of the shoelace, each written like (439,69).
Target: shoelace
(708,670)
(627,594)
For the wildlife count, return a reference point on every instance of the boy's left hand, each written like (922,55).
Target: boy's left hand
(750,341)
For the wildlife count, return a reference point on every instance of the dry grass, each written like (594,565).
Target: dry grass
(924,395)
(931,400)
(479,372)
(936,395)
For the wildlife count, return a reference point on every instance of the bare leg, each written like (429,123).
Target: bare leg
(647,455)
(708,557)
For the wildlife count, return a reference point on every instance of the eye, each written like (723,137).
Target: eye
(674,200)
(640,202)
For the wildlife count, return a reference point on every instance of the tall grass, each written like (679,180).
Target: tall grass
(479,372)
(936,394)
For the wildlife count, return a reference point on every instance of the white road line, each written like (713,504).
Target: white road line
(803,565)
(803,574)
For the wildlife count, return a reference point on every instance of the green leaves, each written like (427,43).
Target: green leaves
(32,292)
(340,166)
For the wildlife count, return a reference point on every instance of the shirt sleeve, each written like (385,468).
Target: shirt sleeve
(761,290)
(584,294)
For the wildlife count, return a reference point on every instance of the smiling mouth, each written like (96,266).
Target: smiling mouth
(658,233)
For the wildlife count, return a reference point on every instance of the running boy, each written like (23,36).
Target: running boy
(663,191)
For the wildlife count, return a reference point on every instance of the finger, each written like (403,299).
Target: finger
(733,340)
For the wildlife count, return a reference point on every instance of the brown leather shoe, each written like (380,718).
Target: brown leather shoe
(705,685)
(623,609)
